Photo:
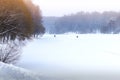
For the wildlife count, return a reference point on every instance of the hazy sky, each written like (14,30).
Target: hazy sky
(62,7)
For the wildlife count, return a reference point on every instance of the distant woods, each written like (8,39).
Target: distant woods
(84,22)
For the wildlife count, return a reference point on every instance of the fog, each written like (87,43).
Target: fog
(62,7)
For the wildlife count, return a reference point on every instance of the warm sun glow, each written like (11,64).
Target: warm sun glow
(61,7)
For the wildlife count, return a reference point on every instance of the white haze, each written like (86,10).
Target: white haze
(62,7)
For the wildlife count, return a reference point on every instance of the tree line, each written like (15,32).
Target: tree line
(84,22)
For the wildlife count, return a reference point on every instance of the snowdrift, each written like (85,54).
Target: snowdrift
(10,72)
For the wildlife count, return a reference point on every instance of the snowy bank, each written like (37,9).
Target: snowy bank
(10,72)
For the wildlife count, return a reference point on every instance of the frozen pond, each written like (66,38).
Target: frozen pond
(89,54)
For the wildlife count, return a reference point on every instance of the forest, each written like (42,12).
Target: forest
(107,22)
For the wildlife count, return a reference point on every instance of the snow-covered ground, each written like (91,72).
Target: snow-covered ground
(88,57)
(10,72)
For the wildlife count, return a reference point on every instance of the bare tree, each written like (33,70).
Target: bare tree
(37,18)
(15,20)
(17,23)
(9,53)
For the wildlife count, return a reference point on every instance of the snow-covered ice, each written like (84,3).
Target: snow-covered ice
(89,54)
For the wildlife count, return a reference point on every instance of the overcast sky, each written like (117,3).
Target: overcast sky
(62,7)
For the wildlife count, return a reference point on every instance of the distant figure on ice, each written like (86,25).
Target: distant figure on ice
(54,35)
(76,36)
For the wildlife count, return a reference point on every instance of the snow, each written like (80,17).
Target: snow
(66,55)
(10,72)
